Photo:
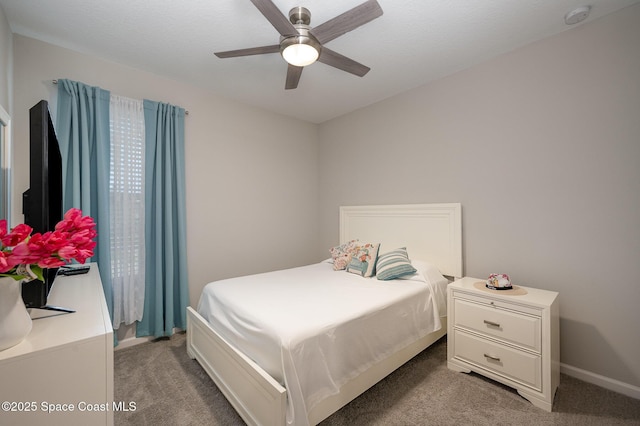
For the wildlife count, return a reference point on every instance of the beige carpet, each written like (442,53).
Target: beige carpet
(171,389)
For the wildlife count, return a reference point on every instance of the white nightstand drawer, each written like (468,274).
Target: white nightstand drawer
(511,363)
(523,330)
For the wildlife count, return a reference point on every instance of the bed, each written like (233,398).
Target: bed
(299,360)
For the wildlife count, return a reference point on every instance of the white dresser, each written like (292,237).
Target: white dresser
(65,365)
(513,339)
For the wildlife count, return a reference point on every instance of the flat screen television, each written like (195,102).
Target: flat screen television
(42,202)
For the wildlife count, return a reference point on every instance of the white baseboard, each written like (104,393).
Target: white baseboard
(602,381)
(132,341)
(127,342)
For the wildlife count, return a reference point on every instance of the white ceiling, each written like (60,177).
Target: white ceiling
(412,43)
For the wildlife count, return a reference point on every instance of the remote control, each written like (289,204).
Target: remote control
(74,270)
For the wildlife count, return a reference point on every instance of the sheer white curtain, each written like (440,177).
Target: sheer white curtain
(127,209)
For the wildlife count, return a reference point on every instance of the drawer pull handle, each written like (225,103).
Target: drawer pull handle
(493,358)
(491,323)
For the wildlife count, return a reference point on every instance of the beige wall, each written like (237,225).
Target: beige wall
(252,176)
(6,62)
(541,146)
(6,75)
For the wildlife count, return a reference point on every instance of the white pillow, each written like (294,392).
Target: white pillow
(425,271)
(430,275)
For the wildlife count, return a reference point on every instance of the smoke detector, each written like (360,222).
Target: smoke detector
(577,15)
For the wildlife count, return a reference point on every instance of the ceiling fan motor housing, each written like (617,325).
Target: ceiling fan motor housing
(300,15)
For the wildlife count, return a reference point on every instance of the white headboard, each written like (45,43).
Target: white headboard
(430,232)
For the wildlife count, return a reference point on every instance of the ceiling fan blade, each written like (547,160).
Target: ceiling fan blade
(329,57)
(280,22)
(293,77)
(349,20)
(250,51)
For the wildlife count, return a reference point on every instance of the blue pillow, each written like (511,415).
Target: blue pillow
(394,264)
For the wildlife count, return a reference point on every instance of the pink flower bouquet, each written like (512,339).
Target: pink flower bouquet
(23,256)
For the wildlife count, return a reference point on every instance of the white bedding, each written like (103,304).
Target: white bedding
(313,328)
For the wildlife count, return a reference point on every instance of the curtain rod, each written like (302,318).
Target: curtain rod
(186,112)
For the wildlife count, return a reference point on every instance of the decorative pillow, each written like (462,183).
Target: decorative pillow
(342,254)
(394,264)
(364,259)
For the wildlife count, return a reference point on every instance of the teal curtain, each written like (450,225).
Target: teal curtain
(166,291)
(82,128)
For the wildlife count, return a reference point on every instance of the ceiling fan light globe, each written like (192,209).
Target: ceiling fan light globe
(300,55)
(300,51)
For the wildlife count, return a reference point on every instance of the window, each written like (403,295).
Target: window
(126,186)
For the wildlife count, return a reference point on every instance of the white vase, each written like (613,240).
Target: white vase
(15,322)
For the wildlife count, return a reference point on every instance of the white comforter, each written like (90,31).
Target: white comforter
(312,328)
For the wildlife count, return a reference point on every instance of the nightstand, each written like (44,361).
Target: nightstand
(510,338)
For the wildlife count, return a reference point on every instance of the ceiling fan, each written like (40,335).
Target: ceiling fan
(302,45)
